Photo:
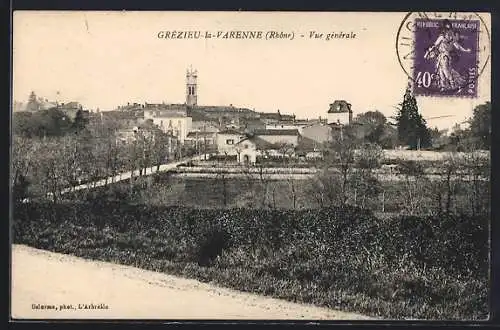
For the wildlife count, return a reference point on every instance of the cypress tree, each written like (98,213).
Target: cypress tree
(412,128)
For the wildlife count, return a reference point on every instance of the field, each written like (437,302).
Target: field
(379,264)
(168,189)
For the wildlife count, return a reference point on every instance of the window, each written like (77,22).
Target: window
(170,123)
(229,141)
(246,146)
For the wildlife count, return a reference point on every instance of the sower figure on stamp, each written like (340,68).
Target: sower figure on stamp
(442,50)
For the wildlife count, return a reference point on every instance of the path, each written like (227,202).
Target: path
(45,278)
(128,175)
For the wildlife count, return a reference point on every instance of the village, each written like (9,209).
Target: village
(224,135)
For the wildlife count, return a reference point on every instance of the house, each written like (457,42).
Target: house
(279,136)
(287,126)
(251,125)
(204,126)
(250,147)
(70,109)
(123,119)
(131,107)
(226,141)
(319,133)
(172,119)
(340,113)
(275,117)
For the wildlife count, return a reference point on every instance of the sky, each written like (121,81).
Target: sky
(106,59)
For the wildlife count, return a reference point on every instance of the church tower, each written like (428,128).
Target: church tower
(191,87)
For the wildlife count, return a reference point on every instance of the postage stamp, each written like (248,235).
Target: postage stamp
(446,57)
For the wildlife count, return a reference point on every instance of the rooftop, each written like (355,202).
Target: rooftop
(200,134)
(231,131)
(260,143)
(340,106)
(294,132)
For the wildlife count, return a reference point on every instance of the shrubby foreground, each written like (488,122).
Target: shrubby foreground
(432,267)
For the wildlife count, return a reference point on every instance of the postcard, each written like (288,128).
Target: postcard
(250,165)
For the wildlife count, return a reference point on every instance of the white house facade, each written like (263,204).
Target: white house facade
(227,140)
(174,121)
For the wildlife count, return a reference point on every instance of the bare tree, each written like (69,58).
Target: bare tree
(51,169)
(445,187)
(364,181)
(477,167)
(414,180)
(23,151)
(222,177)
(293,191)
(160,147)
(264,181)
(341,155)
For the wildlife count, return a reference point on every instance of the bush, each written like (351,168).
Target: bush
(337,257)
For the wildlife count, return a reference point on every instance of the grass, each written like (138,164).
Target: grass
(341,259)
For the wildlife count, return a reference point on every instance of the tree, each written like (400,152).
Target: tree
(22,124)
(364,182)
(50,169)
(415,182)
(160,147)
(22,154)
(412,128)
(80,121)
(371,125)
(33,103)
(480,124)
(389,138)
(477,169)
(334,180)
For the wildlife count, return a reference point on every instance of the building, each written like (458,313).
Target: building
(279,136)
(204,126)
(276,117)
(319,133)
(250,125)
(171,119)
(122,119)
(191,87)
(131,107)
(298,125)
(340,113)
(226,141)
(250,147)
(70,109)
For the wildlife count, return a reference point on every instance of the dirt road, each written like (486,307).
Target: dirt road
(99,290)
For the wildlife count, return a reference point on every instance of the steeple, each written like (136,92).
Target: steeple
(191,86)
